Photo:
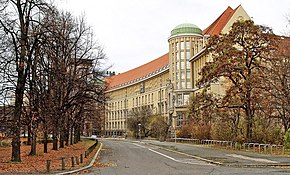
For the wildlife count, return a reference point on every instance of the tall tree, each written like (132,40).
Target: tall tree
(17,16)
(276,102)
(237,58)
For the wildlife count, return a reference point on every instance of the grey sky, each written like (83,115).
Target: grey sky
(134,32)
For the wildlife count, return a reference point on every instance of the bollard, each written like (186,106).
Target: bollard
(77,160)
(72,162)
(259,148)
(81,158)
(283,149)
(265,149)
(62,163)
(271,149)
(48,166)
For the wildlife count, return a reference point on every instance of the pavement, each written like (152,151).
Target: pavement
(200,153)
(224,157)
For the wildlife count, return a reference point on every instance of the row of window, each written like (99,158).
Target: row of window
(186,46)
(118,105)
(116,115)
(138,101)
(116,125)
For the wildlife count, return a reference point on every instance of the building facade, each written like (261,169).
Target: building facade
(165,84)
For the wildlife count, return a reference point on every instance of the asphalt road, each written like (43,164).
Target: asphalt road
(133,158)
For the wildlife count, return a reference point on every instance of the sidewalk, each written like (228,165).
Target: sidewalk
(222,156)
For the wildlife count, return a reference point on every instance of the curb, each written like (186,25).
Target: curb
(223,164)
(195,157)
(86,167)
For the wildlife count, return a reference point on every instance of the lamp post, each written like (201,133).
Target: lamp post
(175,137)
(139,127)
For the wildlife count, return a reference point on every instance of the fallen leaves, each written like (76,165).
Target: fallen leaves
(37,164)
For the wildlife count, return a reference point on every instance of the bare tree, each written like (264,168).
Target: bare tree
(17,17)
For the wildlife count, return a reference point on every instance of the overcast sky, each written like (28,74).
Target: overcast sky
(134,32)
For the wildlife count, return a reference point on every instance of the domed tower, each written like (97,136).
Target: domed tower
(184,42)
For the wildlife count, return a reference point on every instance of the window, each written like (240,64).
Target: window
(182,65)
(181,55)
(187,55)
(182,75)
(187,65)
(186,99)
(177,65)
(179,99)
(179,119)
(176,46)
(187,45)
(142,87)
(177,56)
(187,74)
(188,84)
(181,45)
(177,76)
(182,84)
(148,98)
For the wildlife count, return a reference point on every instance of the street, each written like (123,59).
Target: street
(122,157)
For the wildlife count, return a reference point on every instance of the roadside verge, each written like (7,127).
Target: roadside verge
(85,167)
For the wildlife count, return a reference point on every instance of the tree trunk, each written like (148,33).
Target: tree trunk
(33,143)
(66,136)
(79,134)
(54,139)
(61,139)
(71,135)
(75,135)
(29,135)
(45,140)
(17,115)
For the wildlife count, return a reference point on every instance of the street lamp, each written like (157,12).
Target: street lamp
(139,127)
(174,129)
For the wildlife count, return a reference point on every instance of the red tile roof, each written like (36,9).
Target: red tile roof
(214,29)
(138,72)
(217,26)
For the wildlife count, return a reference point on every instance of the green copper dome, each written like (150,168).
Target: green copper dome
(186,28)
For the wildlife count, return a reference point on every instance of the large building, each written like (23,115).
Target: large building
(165,84)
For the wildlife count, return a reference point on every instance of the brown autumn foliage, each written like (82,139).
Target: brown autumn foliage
(254,64)
(238,57)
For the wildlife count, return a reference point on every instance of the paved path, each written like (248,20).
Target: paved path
(135,158)
(226,157)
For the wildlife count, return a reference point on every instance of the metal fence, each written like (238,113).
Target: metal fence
(254,147)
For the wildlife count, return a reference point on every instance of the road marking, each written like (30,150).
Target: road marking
(139,145)
(180,161)
(187,161)
(250,158)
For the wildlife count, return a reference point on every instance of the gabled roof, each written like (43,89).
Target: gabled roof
(139,72)
(217,26)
